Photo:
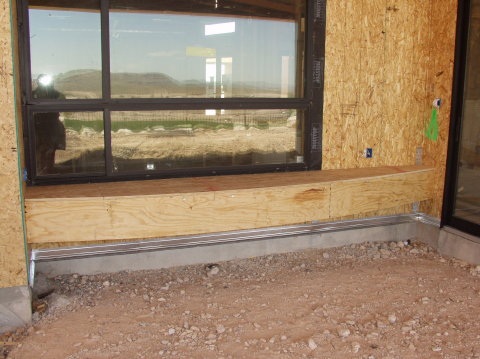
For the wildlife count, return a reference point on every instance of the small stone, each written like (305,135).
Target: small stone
(381,324)
(58,302)
(392,318)
(437,349)
(42,286)
(220,329)
(212,270)
(283,337)
(106,283)
(311,344)
(211,336)
(344,332)
(355,347)
(411,346)
(385,252)
(326,255)
(171,331)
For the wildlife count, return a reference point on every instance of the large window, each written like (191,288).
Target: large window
(120,89)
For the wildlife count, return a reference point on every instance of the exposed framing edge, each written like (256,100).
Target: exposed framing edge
(51,254)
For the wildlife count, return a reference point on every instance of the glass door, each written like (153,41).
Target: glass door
(463,183)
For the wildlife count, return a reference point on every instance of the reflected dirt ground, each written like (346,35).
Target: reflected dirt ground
(155,144)
(468,195)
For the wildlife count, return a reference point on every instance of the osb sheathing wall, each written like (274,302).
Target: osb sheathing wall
(386,61)
(12,253)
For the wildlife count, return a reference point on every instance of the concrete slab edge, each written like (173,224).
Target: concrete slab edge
(15,308)
(224,251)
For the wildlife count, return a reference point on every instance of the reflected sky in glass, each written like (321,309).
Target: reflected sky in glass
(168,55)
(66,43)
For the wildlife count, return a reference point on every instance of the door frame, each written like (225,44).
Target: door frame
(451,176)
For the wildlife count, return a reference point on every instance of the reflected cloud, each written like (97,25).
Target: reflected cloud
(165,53)
(221,28)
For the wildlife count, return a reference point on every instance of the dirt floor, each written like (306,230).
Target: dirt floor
(388,300)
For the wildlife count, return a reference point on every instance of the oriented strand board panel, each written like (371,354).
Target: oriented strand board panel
(12,252)
(442,39)
(385,63)
(240,202)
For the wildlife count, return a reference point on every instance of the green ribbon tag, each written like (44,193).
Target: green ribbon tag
(431,132)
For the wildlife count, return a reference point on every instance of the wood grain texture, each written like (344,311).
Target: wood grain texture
(12,257)
(361,196)
(80,219)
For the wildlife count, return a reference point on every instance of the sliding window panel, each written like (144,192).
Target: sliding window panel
(188,50)
(65,50)
(69,143)
(467,201)
(168,140)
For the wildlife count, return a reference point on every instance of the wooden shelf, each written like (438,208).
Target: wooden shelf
(209,184)
(159,208)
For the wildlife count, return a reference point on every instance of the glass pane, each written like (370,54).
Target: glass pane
(209,50)
(65,52)
(160,140)
(69,142)
(467,204)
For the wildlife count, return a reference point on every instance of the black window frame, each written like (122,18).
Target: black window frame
(456,114)
(311,103)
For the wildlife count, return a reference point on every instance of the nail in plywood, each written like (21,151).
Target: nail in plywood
(12,261)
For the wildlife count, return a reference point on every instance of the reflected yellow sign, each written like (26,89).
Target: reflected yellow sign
(201,51)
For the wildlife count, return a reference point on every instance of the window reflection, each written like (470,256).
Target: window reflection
(158,54)
(65,45)
(159,140)
(467,202)
(69,142)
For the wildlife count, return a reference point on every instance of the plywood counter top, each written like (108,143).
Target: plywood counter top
(209,184)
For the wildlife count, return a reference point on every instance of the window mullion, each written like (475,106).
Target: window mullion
(106,90)
(105,30)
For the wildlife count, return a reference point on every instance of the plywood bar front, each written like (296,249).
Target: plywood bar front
(161,208)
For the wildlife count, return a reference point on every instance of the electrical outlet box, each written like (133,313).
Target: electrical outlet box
(368,153)
(418,156)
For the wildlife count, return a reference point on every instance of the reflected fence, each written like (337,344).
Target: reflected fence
(137,121)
